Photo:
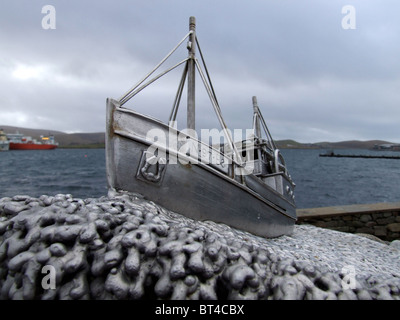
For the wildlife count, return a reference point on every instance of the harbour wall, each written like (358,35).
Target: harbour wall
(379,219)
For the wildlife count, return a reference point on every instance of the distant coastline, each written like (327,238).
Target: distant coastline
(96,140)
(350,144)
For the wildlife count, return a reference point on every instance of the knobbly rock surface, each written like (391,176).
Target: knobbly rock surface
(124,247)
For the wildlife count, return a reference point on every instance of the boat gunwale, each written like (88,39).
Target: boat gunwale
(123,109)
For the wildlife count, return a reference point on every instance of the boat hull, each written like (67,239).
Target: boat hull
(197,191)
(31,146)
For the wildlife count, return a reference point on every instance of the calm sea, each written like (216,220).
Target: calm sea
(80,172)
(323,181)
(319,181)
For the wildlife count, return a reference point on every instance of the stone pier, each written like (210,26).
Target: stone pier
(379,219)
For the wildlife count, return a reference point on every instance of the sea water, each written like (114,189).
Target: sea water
(80,172)
(320,181)
(325,181)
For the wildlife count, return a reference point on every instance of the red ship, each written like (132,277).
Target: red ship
(20,142)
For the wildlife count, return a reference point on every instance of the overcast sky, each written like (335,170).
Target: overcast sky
(320,73)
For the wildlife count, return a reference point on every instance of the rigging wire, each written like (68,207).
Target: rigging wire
(127,96)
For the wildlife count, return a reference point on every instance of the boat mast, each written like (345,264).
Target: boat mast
(191,74)
(256,120)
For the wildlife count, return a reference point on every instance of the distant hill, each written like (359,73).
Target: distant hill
(352,144)
(291,144)
(97,140)
(65,140)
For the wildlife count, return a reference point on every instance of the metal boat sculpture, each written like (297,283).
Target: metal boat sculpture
(243,184)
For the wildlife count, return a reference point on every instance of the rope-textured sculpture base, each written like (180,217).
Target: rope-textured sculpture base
(125,247)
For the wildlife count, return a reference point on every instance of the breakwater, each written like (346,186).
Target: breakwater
(122,246)
(380,219)
(363,156)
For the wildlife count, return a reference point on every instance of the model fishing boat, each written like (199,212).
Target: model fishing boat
(244,184)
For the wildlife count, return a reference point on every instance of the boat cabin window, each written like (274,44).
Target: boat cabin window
(254,153)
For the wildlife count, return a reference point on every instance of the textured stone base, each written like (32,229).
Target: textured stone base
(124,247)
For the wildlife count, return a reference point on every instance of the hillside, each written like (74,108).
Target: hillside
(97,140)
(352,144)
(291,144)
